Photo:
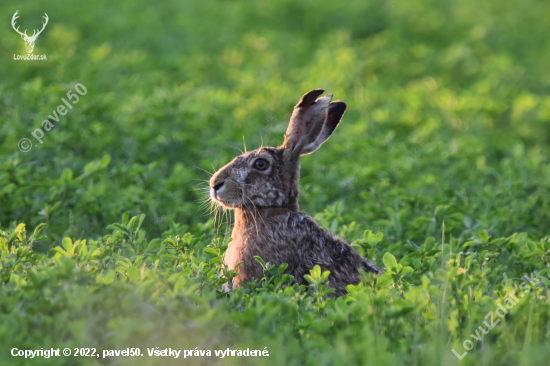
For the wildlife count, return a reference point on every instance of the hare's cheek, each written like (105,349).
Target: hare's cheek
(240,175)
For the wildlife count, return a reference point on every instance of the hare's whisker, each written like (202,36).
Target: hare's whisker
(221,220)
(206,171)
(235,147)
(251,210)
(257,211)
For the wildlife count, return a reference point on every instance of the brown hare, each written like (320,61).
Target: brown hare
(262,186)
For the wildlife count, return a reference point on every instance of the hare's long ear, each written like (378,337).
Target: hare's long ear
(335,113)
(307,124)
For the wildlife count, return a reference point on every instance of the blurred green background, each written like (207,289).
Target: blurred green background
(446,135)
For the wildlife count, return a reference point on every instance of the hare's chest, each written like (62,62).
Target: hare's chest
(234,253)
(274,250)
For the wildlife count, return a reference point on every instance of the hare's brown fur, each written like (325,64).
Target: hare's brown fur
(267,221)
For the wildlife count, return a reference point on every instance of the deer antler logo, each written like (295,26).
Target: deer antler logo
(29,41)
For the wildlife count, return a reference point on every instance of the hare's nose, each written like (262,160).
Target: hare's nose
(218,179)
(216,187)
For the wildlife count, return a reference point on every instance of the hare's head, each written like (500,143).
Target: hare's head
(268,177)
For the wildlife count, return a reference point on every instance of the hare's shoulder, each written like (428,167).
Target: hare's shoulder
(320,247)
(315,238)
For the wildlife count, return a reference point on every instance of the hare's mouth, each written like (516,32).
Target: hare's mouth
(221,197)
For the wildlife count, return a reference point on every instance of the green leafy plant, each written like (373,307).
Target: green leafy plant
(438,173)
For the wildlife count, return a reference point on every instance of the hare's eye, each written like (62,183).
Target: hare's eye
(261,164)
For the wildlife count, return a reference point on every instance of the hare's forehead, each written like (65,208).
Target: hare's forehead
(270,154)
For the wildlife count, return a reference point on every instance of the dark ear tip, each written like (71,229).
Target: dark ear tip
(337,106)
(339,102)
(314,92)
(310,97)
(335,113)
